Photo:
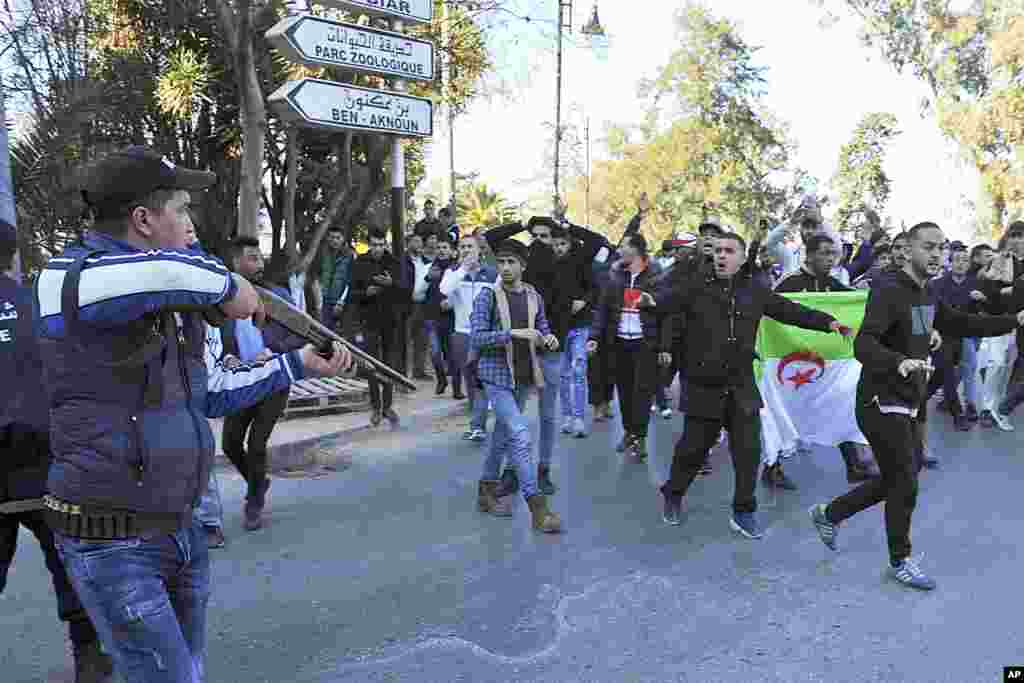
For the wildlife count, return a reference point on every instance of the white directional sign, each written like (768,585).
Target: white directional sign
(326,104)
(319,42)
(408,10)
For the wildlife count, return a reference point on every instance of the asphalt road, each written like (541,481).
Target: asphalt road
(386,572)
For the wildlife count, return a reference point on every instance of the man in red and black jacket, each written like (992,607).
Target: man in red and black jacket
(632,337)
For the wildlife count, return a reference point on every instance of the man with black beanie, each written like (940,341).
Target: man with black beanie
(25,459)
(893,346)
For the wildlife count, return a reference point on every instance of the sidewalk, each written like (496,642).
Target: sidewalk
(298,442)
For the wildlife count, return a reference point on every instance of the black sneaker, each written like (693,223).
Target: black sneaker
(391,416)
(706,470)
(986,420)
(972,413)
(215,537)
(638,448)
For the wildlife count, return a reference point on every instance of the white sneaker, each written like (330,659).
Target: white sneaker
(667,413)
(567,426)
(1002,421)
(579,428)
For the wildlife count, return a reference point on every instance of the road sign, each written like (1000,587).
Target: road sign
(320,42)
(408,10)
(337,106)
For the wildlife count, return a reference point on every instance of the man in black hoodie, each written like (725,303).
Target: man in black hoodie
(380,289)
(894,347)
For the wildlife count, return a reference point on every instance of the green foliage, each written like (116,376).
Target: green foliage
(860,181)
(708,147)
(479,207)
(972,60)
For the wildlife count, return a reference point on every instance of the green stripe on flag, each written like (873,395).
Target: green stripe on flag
(775,340)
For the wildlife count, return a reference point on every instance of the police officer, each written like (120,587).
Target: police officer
(25,457)
(129,388)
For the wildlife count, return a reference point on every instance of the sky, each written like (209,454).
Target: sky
(820,80)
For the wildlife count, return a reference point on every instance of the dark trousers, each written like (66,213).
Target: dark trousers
(700,436)
(69,608)
(947,373)
(251,458)
(636,377)
(384,345)
(600,380)
(896,441)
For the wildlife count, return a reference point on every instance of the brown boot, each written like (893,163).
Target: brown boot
(488,501)
(543,519)
(485,500)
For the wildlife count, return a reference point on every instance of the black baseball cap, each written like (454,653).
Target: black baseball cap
(710,226)
(512,247)
(131,174)
(1016,228)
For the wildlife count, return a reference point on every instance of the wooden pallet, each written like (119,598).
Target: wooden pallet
(333,394)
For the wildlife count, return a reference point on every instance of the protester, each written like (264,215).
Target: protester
(429,224)
(335,276)
(510,332)
(633,337)
(439,320)
(380,290)
(720,319)
(418,265)
(893,345)
(246,433)
(821,256)
(461,286)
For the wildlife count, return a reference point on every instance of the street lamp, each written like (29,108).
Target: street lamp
(592,28)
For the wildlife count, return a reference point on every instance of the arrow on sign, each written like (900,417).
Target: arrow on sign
(409,10)
(337,106)
(320,42)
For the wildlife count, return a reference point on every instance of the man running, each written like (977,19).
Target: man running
(894,347)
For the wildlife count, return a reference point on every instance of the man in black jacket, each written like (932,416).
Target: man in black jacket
(380,290)
(815,276)
(633,337)
(575,263)
(893,345)
(25,459)
(720,318)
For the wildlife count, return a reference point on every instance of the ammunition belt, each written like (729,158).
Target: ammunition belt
(107,525)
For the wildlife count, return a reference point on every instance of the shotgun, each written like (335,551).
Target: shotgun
(303,325)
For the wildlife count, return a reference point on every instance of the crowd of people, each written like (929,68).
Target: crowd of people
(138,336)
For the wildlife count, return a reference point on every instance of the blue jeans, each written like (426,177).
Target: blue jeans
(440,355)
(551,365)
(477,398)
(969,369)
(147,598)
(210,512)
(574,373)
(510,441)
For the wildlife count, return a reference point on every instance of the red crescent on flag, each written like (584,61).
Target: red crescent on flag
(798,379)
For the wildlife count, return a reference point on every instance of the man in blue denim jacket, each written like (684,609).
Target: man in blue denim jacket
(122,344)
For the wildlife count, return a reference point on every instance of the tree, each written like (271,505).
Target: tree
(972,59)
(708,145)
(860,180)
(479,207)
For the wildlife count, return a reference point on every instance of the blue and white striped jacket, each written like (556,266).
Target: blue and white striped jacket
(130,383)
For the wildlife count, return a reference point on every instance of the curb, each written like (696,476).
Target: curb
(308,452)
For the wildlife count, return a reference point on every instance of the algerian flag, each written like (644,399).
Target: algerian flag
(808,379)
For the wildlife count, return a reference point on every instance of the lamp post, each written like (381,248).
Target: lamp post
(592,28)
